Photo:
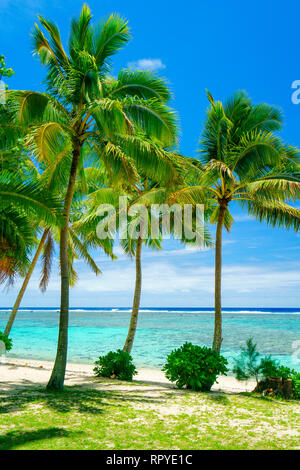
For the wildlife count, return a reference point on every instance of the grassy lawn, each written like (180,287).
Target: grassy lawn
(144,418)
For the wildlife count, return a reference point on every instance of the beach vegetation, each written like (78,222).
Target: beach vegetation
(143,220)
(116,365)
(79,245)
(242,160)
(248,364)
(6,340)
(87,113)
(194,367)
(24,205)
(271,377)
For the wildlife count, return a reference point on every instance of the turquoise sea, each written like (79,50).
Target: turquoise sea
(96,331)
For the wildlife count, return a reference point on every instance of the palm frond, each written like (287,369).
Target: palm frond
(108,38)
(30,198)
(47,257)
(83,252)
(275,213)
(155,119)
(144,84)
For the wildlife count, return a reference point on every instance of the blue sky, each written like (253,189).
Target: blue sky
(222,46)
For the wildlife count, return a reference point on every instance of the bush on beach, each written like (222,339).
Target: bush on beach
(6,340)
(272,378)
(194,367)
(115,365)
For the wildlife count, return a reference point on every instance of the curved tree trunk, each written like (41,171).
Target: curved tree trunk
(24,285)
(218,278)
(57,378)
(136,300)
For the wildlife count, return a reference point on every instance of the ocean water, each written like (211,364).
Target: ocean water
(94,332)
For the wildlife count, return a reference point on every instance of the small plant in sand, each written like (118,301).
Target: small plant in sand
(6,340)
(271,377)
(194,367)
(115,365)
(247,364)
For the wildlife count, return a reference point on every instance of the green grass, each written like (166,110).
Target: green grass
(144,418)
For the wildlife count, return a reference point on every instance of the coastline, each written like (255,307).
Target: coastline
(22,372)
(161,330)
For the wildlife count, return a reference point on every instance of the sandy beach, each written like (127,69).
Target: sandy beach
(148,413)
(15,373)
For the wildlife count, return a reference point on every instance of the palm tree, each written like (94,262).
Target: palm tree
(84,109)
(132,245)
(78,246)
(147,192)
(242,160)
(29,272)
(17,229)
(131,241)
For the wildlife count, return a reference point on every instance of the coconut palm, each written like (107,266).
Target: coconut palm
(131,244)
(22,207)
(138,234)
(148,195)
(78,246)
(242,160)
(84,108)
(142,198)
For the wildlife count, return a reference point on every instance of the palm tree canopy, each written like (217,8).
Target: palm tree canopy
(85,105)
(242,159)
(23,208)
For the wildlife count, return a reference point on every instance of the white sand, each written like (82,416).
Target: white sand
(19,373)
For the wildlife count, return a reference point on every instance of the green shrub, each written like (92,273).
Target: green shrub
(115,364)
(271,368)
(284,373)
(249,364)
(295,376)
(194,366)
(268,367)
(6,340)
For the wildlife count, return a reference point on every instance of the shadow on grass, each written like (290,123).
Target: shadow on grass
(82,401)
(14,439)
(219,398)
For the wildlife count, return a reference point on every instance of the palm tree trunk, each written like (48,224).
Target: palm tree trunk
(57,378)
(24,285)
(136,300)
(218,278)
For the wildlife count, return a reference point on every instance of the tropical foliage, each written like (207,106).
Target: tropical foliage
(242,160)
(249,364)
(6,340)
(86,114)
(194,367)
(91,137)
(116,365)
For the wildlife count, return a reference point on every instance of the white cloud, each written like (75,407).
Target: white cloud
(162,277)
(147,64)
